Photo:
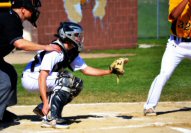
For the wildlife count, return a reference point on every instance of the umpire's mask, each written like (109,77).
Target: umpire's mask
(31,5)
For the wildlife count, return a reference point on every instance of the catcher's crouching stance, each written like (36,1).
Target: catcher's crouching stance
(67,87)
(47,74)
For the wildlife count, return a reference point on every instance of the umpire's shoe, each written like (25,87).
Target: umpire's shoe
(53,124)
(9,117)
(38,110)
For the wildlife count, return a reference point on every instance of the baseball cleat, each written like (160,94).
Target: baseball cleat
(61,121)
(149,112)
(53,124)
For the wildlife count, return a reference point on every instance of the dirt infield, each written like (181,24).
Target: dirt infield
(173,117)
(20,57)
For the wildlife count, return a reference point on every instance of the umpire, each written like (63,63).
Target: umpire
(11,32)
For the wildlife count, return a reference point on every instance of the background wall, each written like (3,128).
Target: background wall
(108,24)
(153,19)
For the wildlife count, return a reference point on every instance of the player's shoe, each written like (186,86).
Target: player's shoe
(53,124)
(38,110)
(149,112)
(61,121)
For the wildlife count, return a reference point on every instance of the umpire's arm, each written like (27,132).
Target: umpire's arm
(31,46)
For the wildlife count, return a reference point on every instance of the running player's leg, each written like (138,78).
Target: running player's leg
(170,61)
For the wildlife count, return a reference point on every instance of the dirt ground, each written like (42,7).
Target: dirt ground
(173,117)
(20,57)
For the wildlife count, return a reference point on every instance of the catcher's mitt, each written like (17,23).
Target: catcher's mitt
(117,67)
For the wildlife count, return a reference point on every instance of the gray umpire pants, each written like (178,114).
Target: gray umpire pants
(8,86)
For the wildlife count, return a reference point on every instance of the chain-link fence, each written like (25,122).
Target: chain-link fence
(153,19)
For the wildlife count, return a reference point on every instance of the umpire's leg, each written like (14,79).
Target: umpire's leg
(8,86)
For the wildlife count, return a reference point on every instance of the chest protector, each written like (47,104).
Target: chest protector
(68,58)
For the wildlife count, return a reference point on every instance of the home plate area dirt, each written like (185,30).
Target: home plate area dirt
(172,117)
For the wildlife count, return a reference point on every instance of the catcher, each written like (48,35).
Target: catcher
(47,74)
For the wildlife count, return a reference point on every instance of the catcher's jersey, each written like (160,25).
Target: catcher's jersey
(182,26)
(50,59)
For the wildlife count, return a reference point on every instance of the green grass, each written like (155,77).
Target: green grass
(161,41)
(133,86)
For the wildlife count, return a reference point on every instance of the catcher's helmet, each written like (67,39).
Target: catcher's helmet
(72,32)
(31,5)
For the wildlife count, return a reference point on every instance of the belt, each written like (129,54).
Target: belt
(181,39)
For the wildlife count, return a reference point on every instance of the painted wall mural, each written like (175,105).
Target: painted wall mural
(73,8)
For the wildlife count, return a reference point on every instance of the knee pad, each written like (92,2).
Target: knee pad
(77,87)
(64,79)
(67,80)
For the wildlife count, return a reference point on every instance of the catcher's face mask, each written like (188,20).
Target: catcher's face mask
(31,5)
(72,32)
(79,39)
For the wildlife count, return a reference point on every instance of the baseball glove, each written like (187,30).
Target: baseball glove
(117,67)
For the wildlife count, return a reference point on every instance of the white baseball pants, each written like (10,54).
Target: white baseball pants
(175,52)
(30,81)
